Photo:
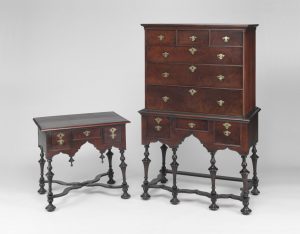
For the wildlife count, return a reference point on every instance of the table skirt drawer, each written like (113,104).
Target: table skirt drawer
(227,133)
(60,139)
(198,100)
(88,133)
(193,54)
(195,75)
(157,126)
(192,124)
(112,134)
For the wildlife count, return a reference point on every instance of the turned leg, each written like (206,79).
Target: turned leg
(146,162)
(50,175)
(42,161)
(255,179)
(109,155)
(245,192)
(163,170)
(123,166)
(174,166)
(213,173)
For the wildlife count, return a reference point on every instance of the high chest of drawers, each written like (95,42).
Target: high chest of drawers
(200,80)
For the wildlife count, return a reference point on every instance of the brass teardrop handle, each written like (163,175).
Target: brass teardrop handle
(220,56)
(226,39)
(161,37)
(227,133)
(192,91)
(165,98)
(191,125)
(158,128)
(220,77)
(165,74)
(165,54)
(192,50)
(192,68)
(220,102)
(193,38)
(86,133)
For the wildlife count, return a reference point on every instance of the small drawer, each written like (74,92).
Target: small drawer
(160,37)
(60,139)
(193,37)
(158,126)
(227,133)
(112,134)
(226,38)
(192,124)
(88,133)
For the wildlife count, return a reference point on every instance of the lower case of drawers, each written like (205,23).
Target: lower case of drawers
(215,134)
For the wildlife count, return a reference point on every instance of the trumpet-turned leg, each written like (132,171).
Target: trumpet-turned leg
(174,166)
(50,175)
(146,162)
(163,168)
(245,191)
(213,173)
(123,166)
(42,161)
(255,179)
(109,155)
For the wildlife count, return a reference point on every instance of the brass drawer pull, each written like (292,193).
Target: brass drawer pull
(161,37)
(193,38)
(191,125)
(220,102)
(158,120)
(226,125)
(192,50)
(60,137)
(158,128)
(226,39)
(165,54)
(165,74)
(220,56)
(220,77)
(113,133)
(87,133)
(165,98)
(192,91)
(192,68)
(227,133)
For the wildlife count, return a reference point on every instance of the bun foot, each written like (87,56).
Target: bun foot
(111,181)
(246,211)
(145,196)
(174,201)
(42,191)
(213,207)
(50,208)
(125,195)
(255,191)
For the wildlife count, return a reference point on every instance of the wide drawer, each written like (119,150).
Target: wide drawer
(193,37)
(88,133)
(160,37)
(191,99)
(194,75)
(226,38)
(193,54)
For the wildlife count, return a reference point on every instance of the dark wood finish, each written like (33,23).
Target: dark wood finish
(163,169)
(174,166)
(225,77)
(58,135)
(200,81)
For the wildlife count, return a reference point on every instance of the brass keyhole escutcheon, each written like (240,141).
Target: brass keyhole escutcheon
(87,133)
(165,54)
(191,125)
(193,38)
(165,74)
(165,98)
(161,37)
(220,56)
(193,50)
(226,125)
(192,91)
(227,133)
(192,68)
(158,120)
(220,102)
(220,77)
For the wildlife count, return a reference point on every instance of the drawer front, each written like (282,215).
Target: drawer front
(88,133)
(227,133)
(60,139)
(193,37)
(192,124)
(160,37)
(199,100)
(158,126)
(192,54)
(112,134)
(194,75)
(226,38)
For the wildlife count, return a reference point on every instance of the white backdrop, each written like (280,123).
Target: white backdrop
(63,57)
